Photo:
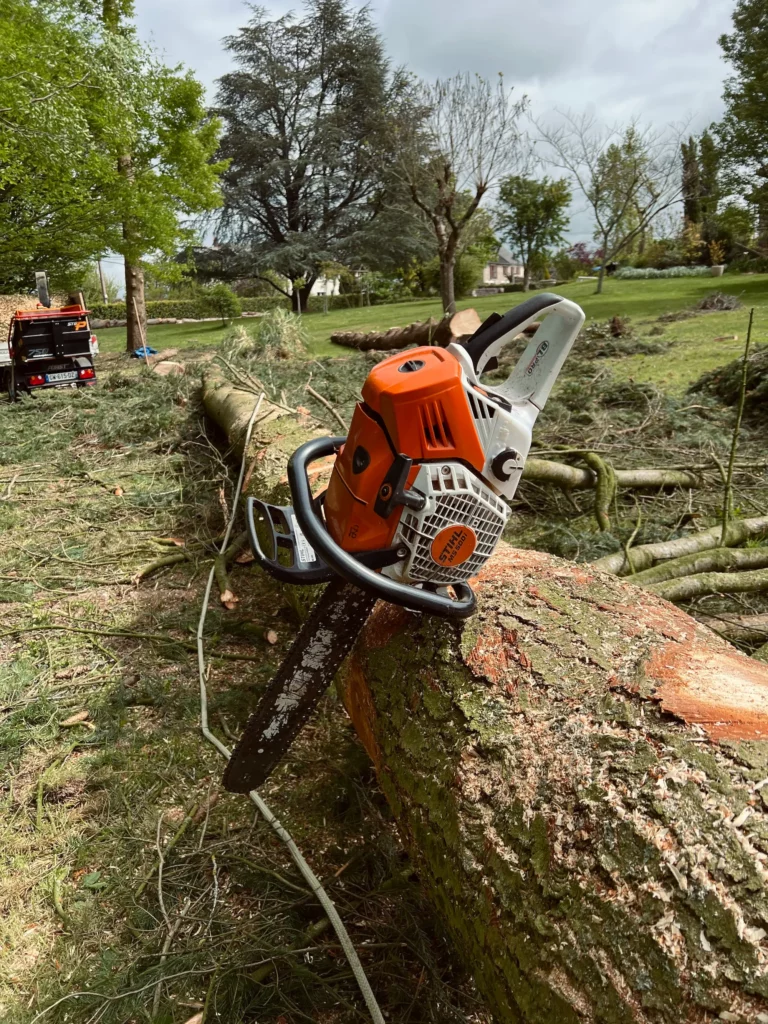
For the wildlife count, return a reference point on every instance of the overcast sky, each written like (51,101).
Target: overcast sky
(656,59)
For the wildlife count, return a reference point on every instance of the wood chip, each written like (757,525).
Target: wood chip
(76,719)
(245,558)
(739,821)
(271,636)
(118,492)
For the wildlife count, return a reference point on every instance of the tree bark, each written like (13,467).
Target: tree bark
(135,306)
(714,560)
(447,283)
(577,774)
(300,296)
(646,555)
(428,332)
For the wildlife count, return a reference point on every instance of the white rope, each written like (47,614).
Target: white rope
(309,876)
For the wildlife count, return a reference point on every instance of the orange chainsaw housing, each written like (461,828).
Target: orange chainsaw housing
(422,414)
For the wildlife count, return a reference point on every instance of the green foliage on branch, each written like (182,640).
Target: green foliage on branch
(98,134)
(741,132)
(532,216)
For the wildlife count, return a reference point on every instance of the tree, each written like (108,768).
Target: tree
(709,180)
(532,216)
(221,301)
(701,183)
(741,133)
(628,176)
(691,181)
(163,159)
(54,187)
(457,138)
(307,116)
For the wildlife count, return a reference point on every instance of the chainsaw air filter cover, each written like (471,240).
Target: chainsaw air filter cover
(456,532)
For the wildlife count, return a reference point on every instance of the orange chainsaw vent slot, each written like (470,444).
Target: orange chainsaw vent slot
(421,401)
(437,429)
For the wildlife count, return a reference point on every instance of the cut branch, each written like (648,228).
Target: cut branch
(573,478)
(688,587)
(747,629)
(716,560)
(645,555)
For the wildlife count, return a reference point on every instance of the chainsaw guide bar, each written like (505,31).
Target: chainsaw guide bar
(324,641)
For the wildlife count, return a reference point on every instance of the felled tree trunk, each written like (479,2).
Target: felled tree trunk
(428,332)
(577,774)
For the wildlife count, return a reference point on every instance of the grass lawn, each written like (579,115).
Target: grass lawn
(642,300)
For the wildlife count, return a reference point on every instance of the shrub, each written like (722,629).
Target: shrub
(219,300)
(637,273)
(282,335)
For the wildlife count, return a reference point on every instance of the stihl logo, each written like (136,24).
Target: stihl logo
(453,545)
(537,358)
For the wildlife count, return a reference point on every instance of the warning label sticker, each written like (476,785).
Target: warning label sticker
(304,549)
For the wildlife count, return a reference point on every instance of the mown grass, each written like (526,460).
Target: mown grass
(102,764)
(636,299)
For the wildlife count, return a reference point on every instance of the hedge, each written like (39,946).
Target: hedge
(636,273)
(191,309)
(181,309)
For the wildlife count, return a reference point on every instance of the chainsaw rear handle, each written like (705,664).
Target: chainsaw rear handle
(344,564)
(537,370)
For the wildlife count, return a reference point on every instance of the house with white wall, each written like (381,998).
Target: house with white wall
(503,269)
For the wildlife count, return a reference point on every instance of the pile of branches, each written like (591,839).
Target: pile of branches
(718,302)
(615,337)
(724,384)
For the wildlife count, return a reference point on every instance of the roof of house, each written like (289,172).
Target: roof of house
(504,258)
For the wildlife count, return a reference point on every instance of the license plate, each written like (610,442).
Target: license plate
(52,378)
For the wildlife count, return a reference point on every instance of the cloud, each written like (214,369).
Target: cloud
(658,60)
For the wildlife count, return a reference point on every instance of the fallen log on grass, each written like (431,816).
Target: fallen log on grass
(577,775)
(747,629)
(574,478)
(428,332)
(646,555)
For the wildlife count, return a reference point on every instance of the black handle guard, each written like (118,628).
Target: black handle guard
(348,567)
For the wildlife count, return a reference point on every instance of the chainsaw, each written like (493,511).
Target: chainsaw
(415,505)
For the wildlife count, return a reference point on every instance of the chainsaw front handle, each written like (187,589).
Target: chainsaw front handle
(344,564)
(538,367)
